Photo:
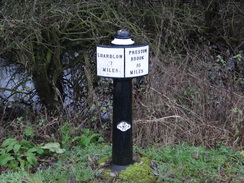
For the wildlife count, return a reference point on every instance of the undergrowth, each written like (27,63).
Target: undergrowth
(176,163)
(191,102)
(194,90)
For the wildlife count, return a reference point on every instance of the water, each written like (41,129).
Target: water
(16,86)
(17,91)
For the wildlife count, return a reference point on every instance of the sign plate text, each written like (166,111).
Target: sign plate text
(122,62)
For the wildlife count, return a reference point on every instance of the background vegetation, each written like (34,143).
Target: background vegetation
(194,92)
(53,107)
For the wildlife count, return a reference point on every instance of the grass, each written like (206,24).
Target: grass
(179,163)
(184,163)
(76,165)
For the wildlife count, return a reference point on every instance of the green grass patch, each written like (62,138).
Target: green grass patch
(76,165)
(179,163)
(183,163)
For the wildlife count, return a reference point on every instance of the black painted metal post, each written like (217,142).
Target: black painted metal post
(122,115)
(122,112)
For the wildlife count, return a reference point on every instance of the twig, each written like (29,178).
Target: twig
(156,120)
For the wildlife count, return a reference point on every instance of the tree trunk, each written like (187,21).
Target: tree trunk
(47,85)
(47,72)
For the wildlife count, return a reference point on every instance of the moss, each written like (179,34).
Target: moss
(145,160)
(139,172)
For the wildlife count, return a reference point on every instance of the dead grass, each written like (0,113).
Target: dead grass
(182,104)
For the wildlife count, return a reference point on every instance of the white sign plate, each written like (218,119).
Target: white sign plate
(110,62)
(122,62)
(136,61)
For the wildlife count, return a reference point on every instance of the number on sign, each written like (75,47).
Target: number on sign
(138,65)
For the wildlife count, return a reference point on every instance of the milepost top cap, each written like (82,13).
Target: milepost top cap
(123,34)
(122,37)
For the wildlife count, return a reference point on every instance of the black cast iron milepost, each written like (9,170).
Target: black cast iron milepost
(122,61)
